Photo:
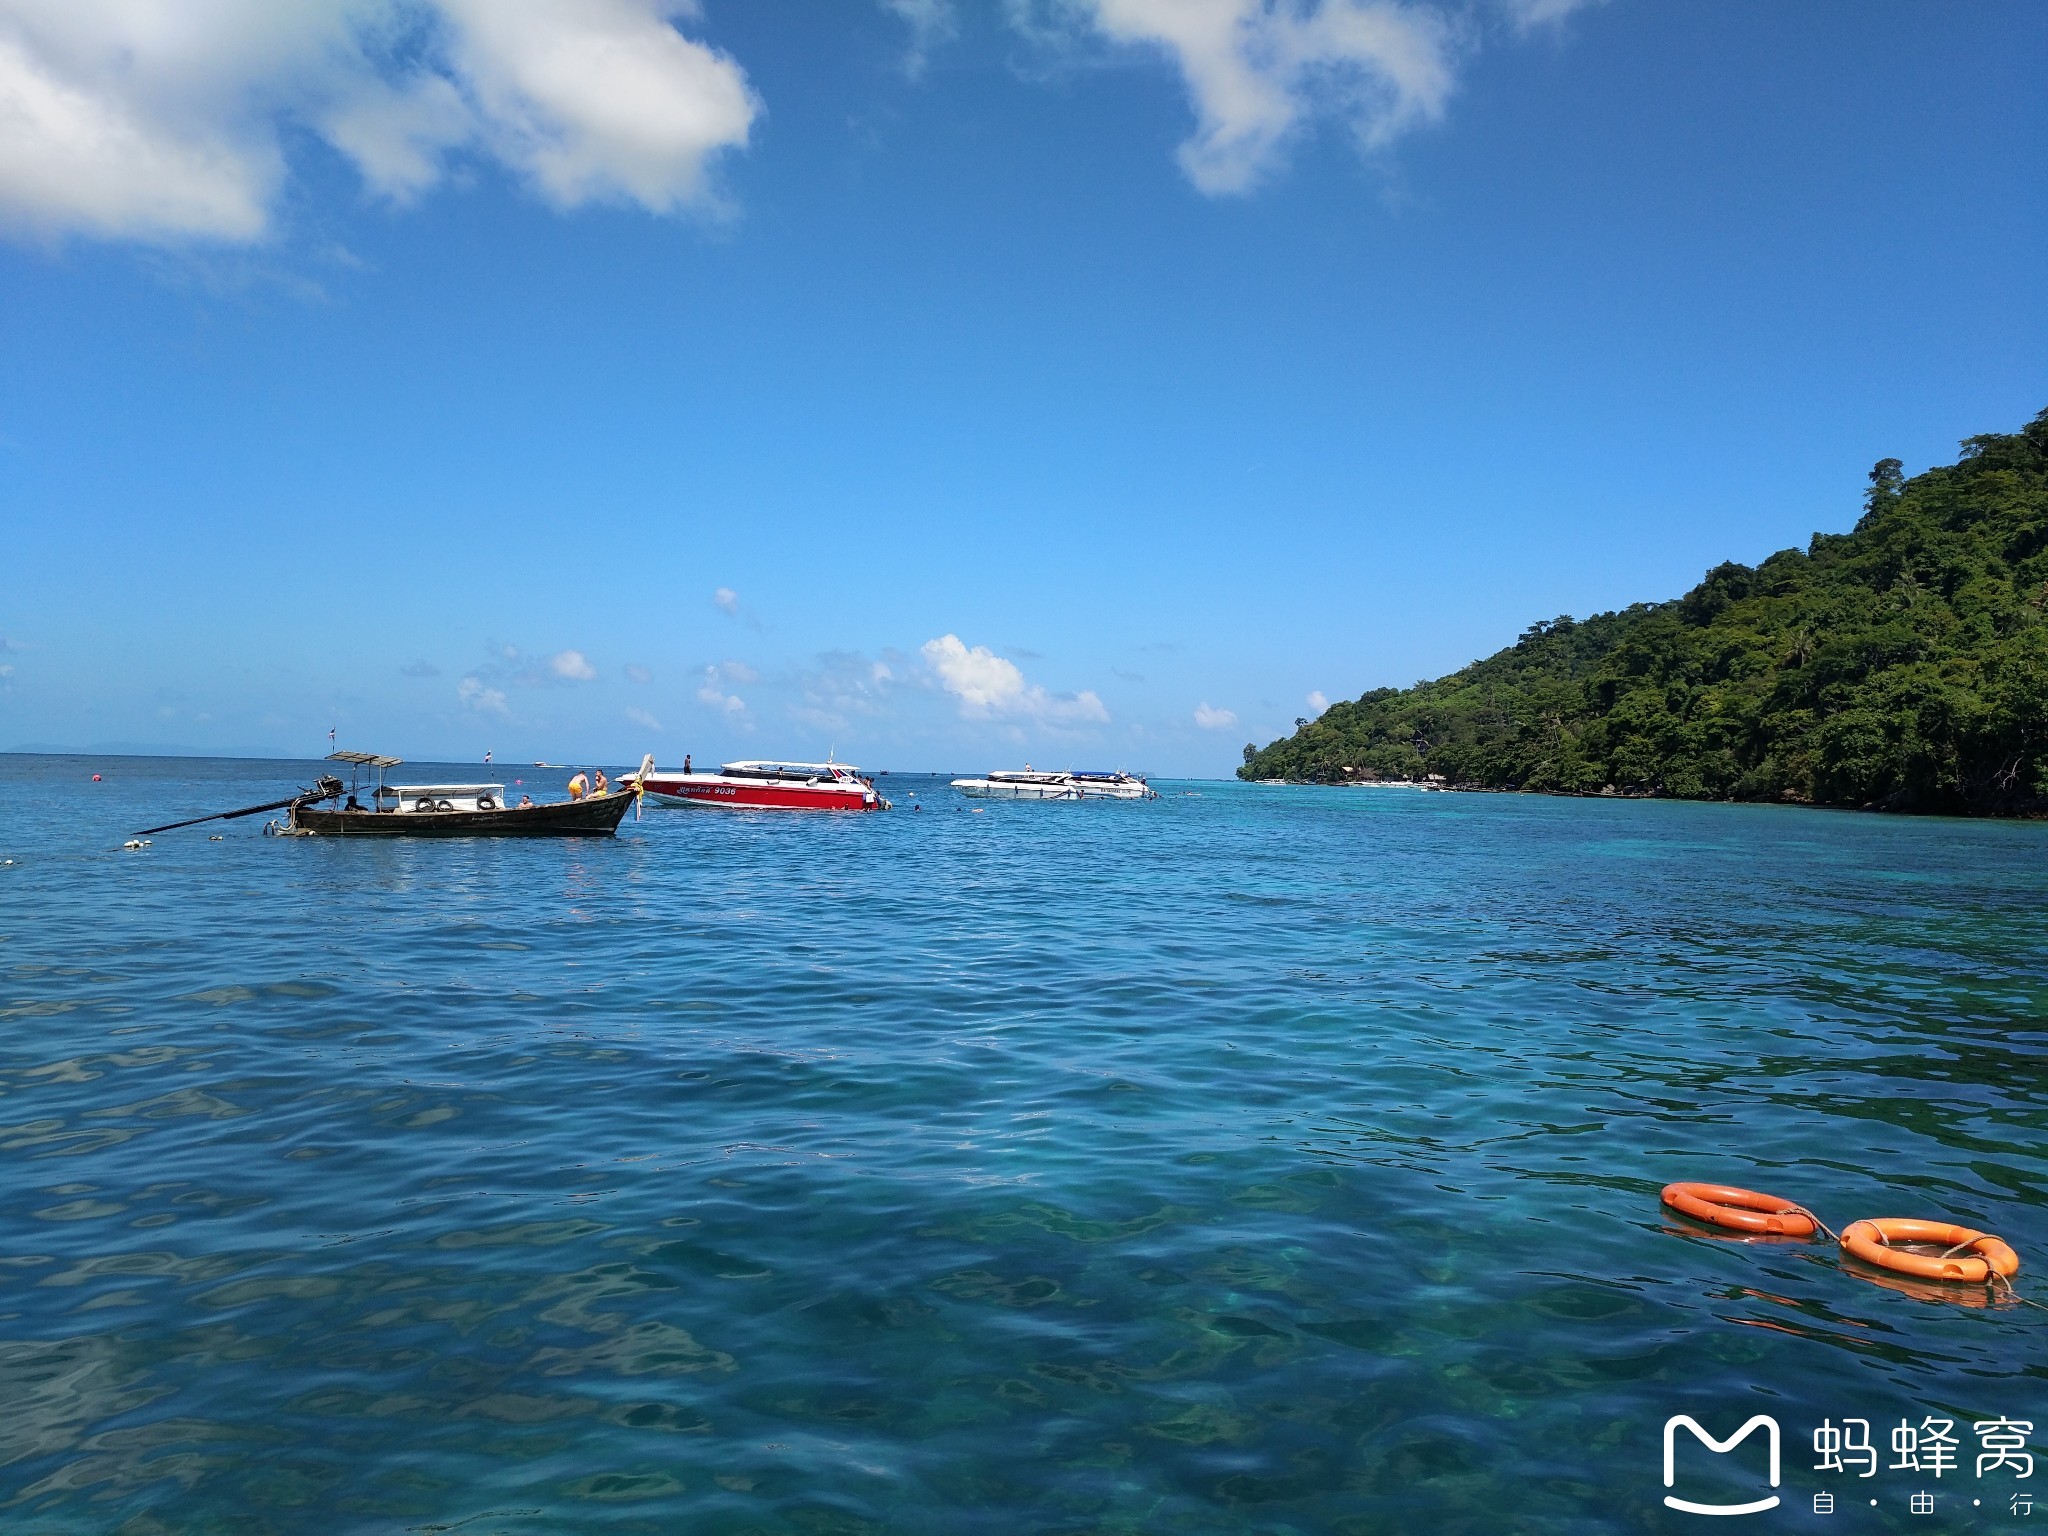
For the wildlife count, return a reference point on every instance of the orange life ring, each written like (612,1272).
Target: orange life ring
(1742,1209)
(1871,1241)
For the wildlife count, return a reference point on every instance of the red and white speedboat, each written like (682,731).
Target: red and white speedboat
(766,787)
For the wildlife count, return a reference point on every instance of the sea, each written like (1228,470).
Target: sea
(1254,1159)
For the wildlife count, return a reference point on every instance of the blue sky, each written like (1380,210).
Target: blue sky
(1091,382)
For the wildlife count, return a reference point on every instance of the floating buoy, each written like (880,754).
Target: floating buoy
(133,842)
(1968,1256)
(95,778)
(1743,1210)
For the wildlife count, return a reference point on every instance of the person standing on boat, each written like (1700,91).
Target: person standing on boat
(579,786)
(686,762)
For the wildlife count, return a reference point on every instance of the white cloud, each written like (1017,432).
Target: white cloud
(727,602)
(713,693)
(1257,71)
(1214,719)
(511,668)
(843,686)
(489,701)
(738,672)
(1527,15)
(931,22)
(598,99)
(1316,702)
(139,120)
(979,677)
(642,718)
(990,686)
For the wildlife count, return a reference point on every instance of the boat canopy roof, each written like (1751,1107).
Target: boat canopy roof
(758,769)
(444,789)
(365,759)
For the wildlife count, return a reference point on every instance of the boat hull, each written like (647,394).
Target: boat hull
(598,816)
(719,793)
(983,789)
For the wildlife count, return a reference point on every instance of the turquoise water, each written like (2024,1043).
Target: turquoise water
(1252,1160)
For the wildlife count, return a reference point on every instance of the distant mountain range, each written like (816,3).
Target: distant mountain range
(1902,666)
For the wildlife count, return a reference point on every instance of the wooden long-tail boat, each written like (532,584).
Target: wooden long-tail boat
(593,816)
(332,809)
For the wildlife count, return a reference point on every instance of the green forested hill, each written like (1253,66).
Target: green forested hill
(1902,666)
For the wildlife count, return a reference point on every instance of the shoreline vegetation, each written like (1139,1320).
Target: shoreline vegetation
(1902,666)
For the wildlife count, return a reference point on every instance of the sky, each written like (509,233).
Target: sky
(950,385)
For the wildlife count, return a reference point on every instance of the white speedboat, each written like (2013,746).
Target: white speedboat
(1113,786)
(1020,784)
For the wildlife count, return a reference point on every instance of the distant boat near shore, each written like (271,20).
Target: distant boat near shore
(1098,785)
(1027,783)
(1019,784)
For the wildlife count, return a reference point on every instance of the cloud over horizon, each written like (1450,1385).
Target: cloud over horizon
(571,667)
(989,686)
(475,694)
(712,691)
(169,123)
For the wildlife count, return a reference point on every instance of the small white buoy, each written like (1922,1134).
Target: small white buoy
(133,842)
(215,838)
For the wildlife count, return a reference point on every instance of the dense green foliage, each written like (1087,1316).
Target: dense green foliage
(1902,666)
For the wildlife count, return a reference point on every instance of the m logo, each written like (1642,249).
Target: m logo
(1769,1424)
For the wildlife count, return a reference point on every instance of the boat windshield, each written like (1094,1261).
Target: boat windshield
(802,772)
